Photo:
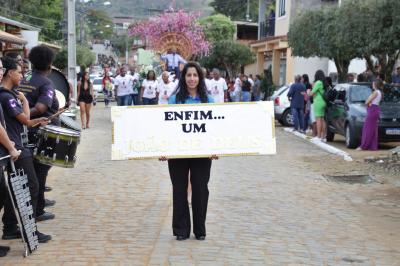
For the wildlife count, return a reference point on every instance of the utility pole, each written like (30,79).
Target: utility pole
(248,11)
(72,49)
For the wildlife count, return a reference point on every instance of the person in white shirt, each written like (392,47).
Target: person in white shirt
(135,87)
(237,89)
(218,87)
(165,88)
(149,92)
(206,80)
(123,88)
(173,61)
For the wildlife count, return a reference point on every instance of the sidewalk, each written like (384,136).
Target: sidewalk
(269,210)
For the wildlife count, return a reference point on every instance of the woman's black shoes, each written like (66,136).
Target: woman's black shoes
(181,238)
(201,238)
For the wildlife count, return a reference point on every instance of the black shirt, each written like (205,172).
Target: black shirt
(3,150)
(39,89)
(11,109)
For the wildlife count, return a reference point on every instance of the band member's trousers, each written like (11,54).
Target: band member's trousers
(9,219)
(199,169)
(42,171)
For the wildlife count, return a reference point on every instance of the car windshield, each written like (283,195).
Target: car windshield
(360,93)
(97,82)
(391,94)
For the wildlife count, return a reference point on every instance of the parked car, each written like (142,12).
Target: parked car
(98,88)
(282,106)
(346,113)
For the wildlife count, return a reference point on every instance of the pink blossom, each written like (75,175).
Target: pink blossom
(180,22)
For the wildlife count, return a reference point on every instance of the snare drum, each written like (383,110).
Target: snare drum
(56,146)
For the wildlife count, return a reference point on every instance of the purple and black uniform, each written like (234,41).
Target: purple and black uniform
(39,89)
(11,109)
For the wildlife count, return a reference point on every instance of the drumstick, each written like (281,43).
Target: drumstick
(62,110)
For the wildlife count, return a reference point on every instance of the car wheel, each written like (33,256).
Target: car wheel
(351,141)
(287,118)
(329,135)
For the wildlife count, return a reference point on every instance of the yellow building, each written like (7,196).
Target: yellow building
(272,48)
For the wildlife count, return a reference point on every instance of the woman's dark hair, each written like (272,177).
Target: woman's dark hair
(360,78)
(306,79)
(329,81)
(182,92)
(320,76)
(9,64)
(41,57)
(379,84)
(148,75)
(83,80)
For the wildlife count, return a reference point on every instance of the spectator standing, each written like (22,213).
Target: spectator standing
(218,87)
(369,139)
(396,78)
(207,80)
(296,97)
(235,93)
(309,118)
(257,89)
(319,103)
(246,88)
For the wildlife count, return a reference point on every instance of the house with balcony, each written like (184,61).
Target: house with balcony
(272,48)
(16,36)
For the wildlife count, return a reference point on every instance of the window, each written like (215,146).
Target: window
(282,8)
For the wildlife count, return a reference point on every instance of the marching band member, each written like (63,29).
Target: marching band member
(191,89)
(40,93)
(17,114)
(6,147)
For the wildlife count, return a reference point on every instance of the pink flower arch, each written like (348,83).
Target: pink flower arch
(178,22)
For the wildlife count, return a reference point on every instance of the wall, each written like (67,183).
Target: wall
(309,66)
(282,23)
(251,69)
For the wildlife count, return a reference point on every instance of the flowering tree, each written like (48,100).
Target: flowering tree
(173,22)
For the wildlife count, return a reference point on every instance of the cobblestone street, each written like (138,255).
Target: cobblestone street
(273,210)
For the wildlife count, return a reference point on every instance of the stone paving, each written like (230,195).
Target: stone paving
(274,210)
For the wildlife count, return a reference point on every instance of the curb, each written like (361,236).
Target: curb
(322,145)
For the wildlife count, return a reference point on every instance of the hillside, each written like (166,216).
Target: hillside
(145,8)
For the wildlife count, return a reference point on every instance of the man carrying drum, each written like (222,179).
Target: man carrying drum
(40,93)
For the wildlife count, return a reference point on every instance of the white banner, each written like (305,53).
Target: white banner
(193,130)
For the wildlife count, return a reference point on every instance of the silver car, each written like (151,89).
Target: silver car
(282,106)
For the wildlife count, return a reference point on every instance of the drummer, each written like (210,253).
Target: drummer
(16,114)
(40,92)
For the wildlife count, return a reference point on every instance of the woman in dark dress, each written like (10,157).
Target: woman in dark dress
(85,99)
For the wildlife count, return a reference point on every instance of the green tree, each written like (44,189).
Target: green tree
(45,14)
(382,34)
(99,24)
(320,33)
(229,55)
(236,9)
(84,57)
(358,29)
(218,28)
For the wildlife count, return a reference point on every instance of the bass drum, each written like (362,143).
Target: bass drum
(61,86)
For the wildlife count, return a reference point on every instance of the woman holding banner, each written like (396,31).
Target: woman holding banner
(191,90)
